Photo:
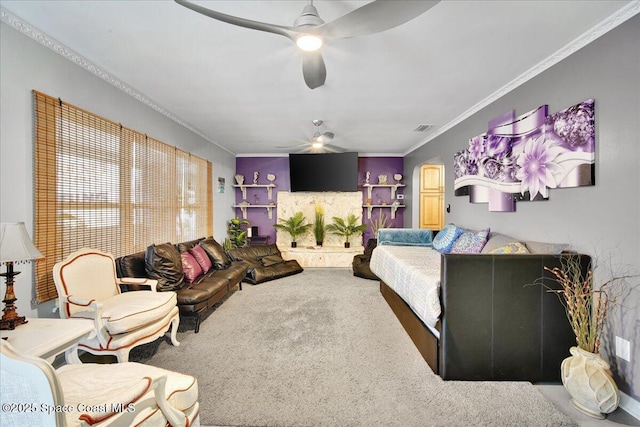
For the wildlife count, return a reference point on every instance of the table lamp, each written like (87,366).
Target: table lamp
(15,247)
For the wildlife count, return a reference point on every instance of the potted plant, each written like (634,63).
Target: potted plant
(380,222)
(585,375)
(295,226)
(318,226)
(237,233)
(346,229)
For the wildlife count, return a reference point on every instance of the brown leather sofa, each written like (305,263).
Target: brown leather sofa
(163,262)
(264,263)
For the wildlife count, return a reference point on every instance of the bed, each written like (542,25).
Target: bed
(477,316)
(413,273)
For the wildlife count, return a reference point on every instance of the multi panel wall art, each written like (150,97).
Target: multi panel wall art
(521,158)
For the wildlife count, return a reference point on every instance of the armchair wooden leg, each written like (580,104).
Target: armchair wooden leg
(175,322)
(123,354)
(198,319)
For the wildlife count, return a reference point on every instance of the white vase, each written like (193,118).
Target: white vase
(592,389)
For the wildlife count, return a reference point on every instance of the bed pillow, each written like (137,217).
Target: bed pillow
(405,237)
(545,248)
(445,239)
(201,256)
(470,242)
(497,240)
(190,267)
(511,248)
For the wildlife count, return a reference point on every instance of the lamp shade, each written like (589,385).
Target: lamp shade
(15,244)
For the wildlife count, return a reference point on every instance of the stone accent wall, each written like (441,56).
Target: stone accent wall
(340,204)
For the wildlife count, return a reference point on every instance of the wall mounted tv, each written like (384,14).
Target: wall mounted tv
(324,172)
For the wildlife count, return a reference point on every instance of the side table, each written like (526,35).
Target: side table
(258,240)
(46,338)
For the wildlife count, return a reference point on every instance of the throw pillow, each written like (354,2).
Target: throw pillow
(201,256)
(511,248)
(216,252)
(268,260)
(497,240)
(470,242)
(445,239)
(190,267)
(164,264)
(546,248)
(185,246)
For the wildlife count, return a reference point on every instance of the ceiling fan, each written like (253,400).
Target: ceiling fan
(310,32)
(319,142)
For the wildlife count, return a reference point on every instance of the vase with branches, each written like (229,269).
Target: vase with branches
(346,228)
(585,375)
(295,225)
(319,229)
(380,222)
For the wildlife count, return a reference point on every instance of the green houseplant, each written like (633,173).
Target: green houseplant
(295,225)
(237,233)
(318,226)
(346,229)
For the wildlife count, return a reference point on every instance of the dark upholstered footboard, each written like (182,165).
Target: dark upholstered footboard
(493,327)
(425,342)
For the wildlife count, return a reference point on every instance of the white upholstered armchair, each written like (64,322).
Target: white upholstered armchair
(88,288)
(118,394)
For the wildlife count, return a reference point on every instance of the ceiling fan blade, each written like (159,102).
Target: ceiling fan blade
(288,32)
(313,69)
(374,17)
(326,137)
(293,147)
(329,148)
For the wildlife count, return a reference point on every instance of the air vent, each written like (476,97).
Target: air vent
(423,128)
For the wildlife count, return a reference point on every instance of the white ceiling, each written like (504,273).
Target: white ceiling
(243,89)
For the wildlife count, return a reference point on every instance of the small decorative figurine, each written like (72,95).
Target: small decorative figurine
(382,179)
(240,179)
(397,177)
(271,177)
(367,177)
(256,174)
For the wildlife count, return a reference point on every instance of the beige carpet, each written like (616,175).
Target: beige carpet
(322,348)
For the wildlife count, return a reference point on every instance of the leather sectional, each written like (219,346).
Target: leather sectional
(198,291)
(163,262)
(264,263)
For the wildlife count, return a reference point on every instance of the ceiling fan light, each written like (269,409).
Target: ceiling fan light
(317,144)
(309,43)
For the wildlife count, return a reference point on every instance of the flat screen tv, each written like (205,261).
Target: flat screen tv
(324,172)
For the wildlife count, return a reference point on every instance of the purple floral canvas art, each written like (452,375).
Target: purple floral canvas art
(521,158)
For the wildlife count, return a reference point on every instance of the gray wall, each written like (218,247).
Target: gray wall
(26,65)
(597,220)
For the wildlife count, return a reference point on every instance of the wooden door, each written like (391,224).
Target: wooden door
(432,197)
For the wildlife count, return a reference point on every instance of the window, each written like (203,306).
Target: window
(101,185)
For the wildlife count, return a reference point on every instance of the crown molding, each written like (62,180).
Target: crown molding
(79,60)
(287,154)
(262,155)
(622,15)
(608,24)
